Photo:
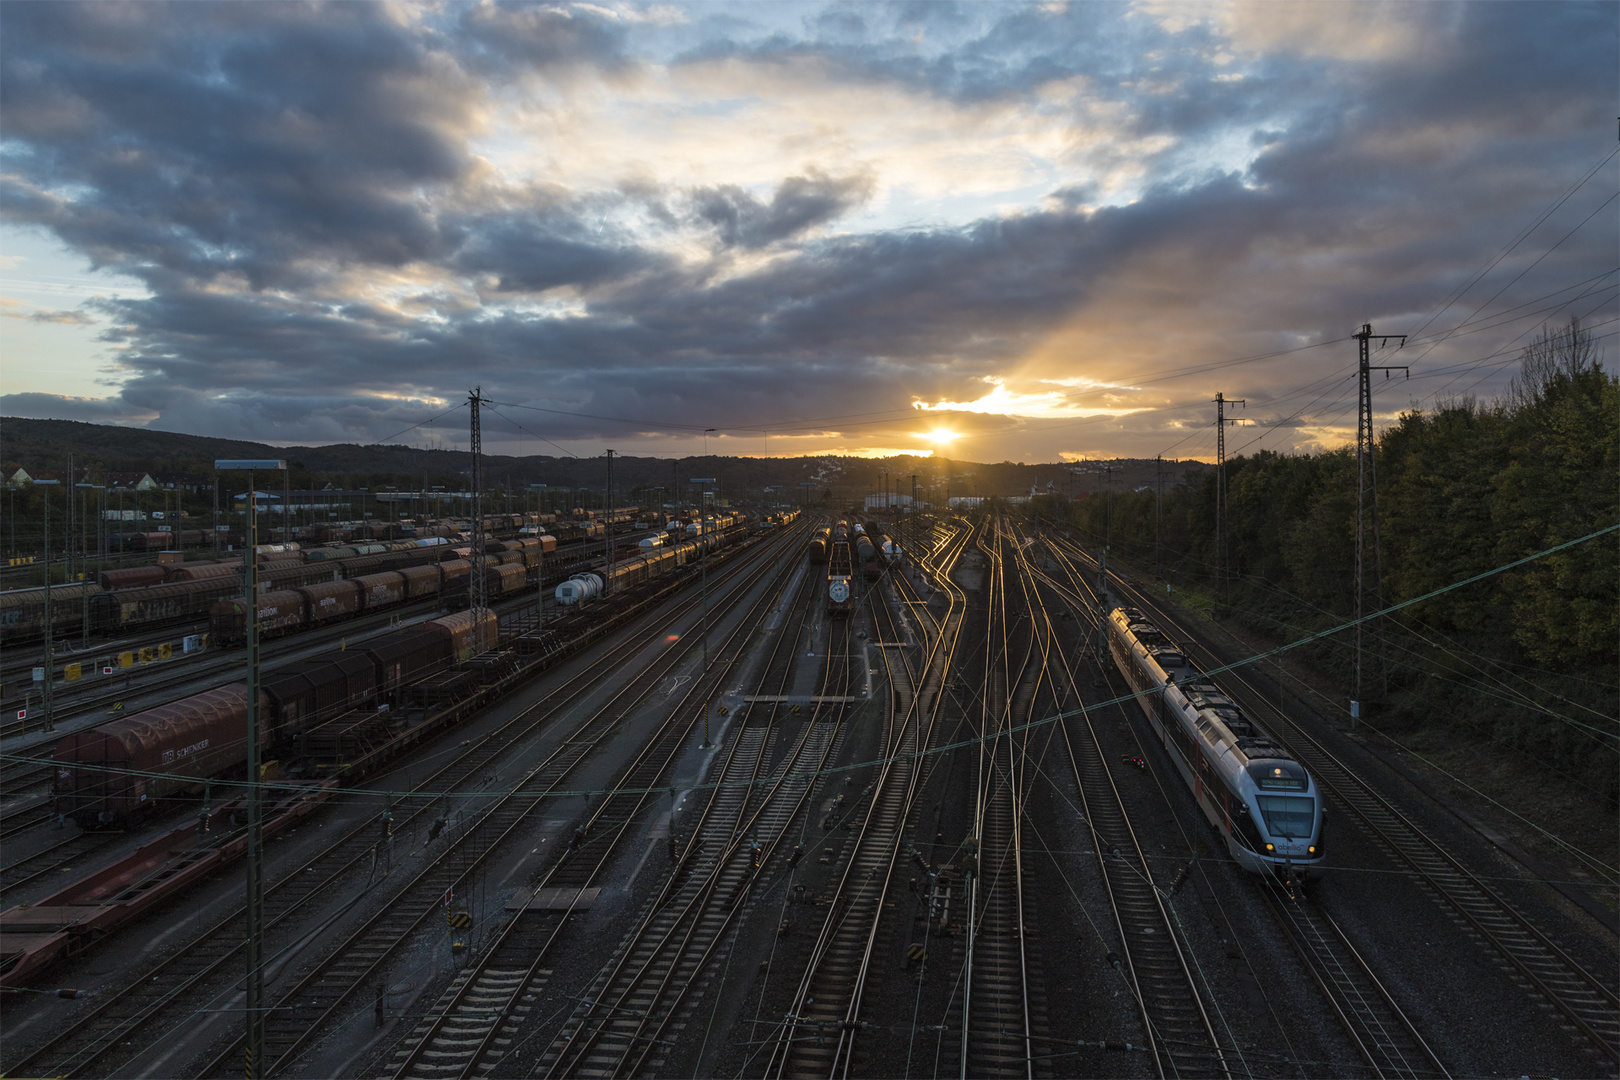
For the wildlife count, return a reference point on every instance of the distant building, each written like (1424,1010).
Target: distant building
(184,482)
(892,501)
(131,481)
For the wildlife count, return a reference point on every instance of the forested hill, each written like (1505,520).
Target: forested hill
(1529,655)
(44,445)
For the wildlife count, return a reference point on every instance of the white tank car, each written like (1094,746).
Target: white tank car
(578,589)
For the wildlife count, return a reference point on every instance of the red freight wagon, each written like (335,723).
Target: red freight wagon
(119,769)
(505,580)
(203,571)
(408,654)
(381,590)
(420,581)
(131,577)
(329,600)
(458,630)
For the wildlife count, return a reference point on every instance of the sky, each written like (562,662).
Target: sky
(995,231)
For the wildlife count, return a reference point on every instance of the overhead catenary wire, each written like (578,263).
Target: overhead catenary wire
(1518,239)
(969,741)
(526,431)
(1515,279)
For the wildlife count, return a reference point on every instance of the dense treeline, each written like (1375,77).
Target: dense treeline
(1528,656)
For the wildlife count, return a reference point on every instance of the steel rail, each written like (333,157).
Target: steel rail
(510,968)
(695,917)
(997,917)
(1592,1007)
(1383,1034)
(352,963)
(136,1006)
(1176,1023)
(1386,1037)
(828,998)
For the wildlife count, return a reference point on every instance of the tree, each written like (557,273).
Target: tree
(1559,484)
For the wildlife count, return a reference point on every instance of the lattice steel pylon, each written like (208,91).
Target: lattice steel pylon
(477,594)
(1369,595)
(1221,420)
(611,539)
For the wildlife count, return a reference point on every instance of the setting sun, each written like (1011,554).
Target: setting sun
(940,436)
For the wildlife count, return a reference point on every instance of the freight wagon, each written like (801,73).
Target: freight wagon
(156,605)
(22,611)
(120,770)
(113,772)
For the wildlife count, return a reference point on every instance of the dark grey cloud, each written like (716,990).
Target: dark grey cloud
(270,142)
(800,203)
(250,162)
(59,316)
(531,256)
(33,406)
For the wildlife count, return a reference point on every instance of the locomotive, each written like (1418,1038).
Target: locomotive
(1263,802)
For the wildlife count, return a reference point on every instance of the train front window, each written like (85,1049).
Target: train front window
(1287,816)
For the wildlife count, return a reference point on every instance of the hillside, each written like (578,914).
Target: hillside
(38,445)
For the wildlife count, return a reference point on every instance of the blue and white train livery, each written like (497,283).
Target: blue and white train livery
(1252,790)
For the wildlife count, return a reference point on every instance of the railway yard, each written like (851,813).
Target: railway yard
(769,797)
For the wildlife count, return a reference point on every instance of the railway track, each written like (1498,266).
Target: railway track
(1152,961)
(1376,1024)
(476,1021)
(19,820)
(1384,1035)
(997,1028)
(631,1007)
(817,1037)
(51,861)
(302,1010)
(1535,962)
(147,1007)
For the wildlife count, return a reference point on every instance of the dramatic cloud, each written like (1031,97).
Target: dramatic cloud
(1021,231)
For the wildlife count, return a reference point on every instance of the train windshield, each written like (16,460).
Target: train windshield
(1287,815)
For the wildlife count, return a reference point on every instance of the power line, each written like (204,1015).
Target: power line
(1525,271)
(526,431)
(1522,236)
(970,741)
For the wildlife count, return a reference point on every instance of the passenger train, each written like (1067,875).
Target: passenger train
(1262,801)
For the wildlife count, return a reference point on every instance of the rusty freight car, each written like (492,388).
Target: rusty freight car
(112,772)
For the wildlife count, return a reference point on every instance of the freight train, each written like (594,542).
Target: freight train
(650,562)
(290,611)
(106,775)
(841,572)
(170,541)
(779,520)
(141,598)
(110,774)
(866,550)
(1262,801)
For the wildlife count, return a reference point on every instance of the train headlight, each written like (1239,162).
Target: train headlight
(1312,849)
(1270,847)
